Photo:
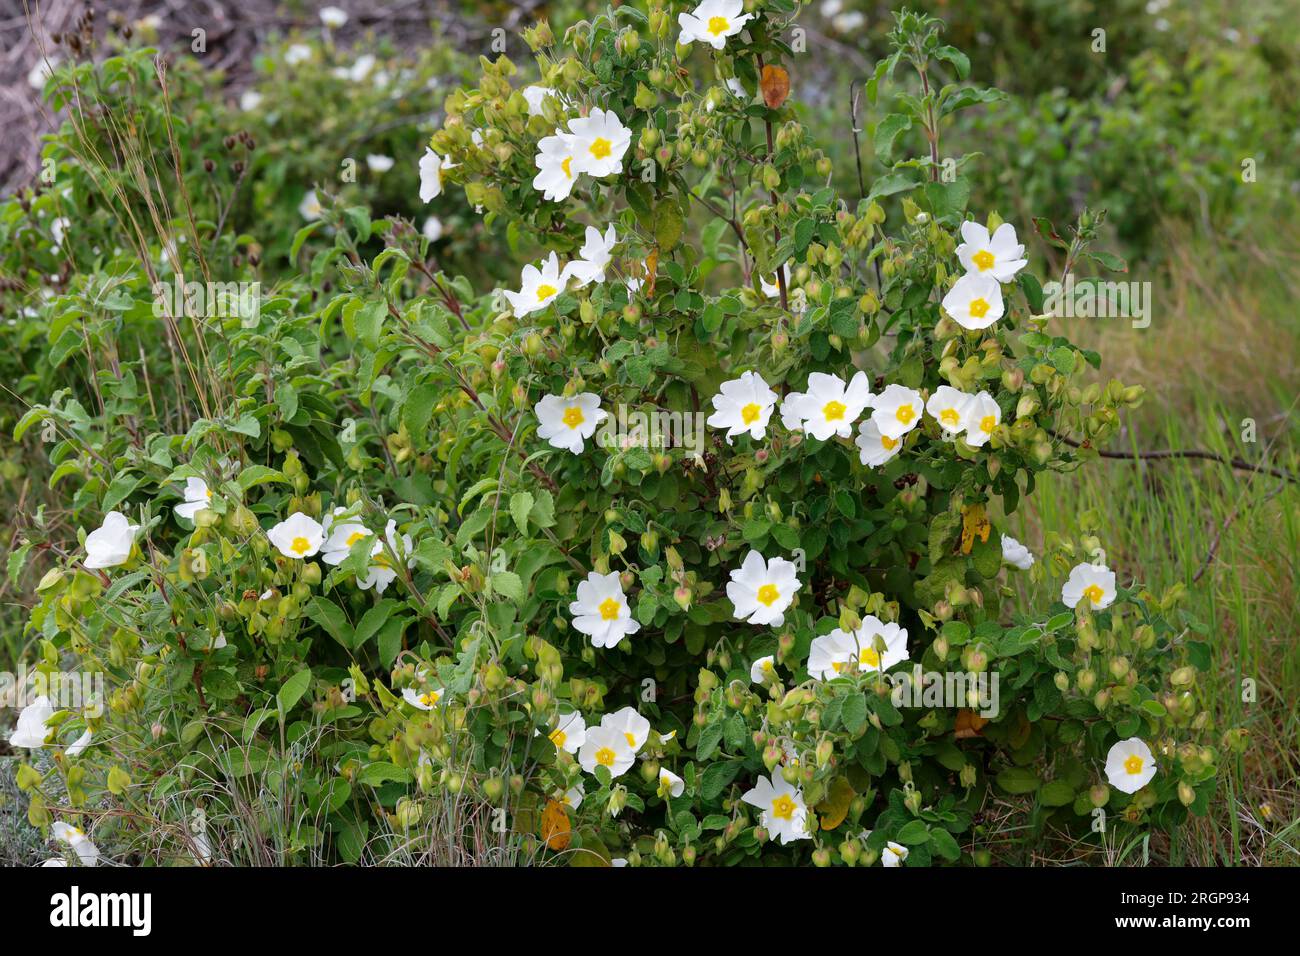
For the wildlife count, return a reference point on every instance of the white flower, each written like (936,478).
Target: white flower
(841,651)
(250,100)
(743,405)
(310,207)
(1092,581)
(634,728)
(56,861)
(762,590)
(893,854)
(361,69)
(59,229)
(975,301)
(983,415)
(568,422)
(876,449)
(333,17)
(601,611)
(569,732)
(75,748)
(849,21)
(602,141)
(340,537)
(1016,554)
(432,229)
(829,407)
(537,97)
(431,167)
(298,536)
(41,72)
(538,287)
(86,851)
(573,797)
(762,669)
(379,163)
(380,572)
(297,53)
(197,497)
(31,729)
(670,785)
(712,22)
(595,256)
(896,410)
(948,407)
(608,748)
(737,88)
(557,162)
(784,814)
(1130,765)
(999,256)
(422,700)
(110,544)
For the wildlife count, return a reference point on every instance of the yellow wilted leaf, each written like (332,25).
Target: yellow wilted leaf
(651,267)
(968,724)
(775,84)
(974,524)
(835,807)
(555,828)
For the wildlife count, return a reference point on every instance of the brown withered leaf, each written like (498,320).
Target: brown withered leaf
(775,84)
(651,268)
(555,828)
(968,724)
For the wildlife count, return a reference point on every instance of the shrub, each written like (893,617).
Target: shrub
(396,545)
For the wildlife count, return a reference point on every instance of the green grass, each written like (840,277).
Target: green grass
(1221,350)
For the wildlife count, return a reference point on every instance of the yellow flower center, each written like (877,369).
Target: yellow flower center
(833,410)
(768,594)
(429,699)
(354,537)
(983,259)
(545,292)
(600,147)
(905,414)
(988,423)
(868,657)
(605,757)
(979,308)
(718,25)
(949,416)
(783,807)
(767,667)
(558,737)
(1093,594)
(300,546)
(564,165)
(208,492)
(609,609)
(573,416)
(631,741)
(889,444)
(749,414)
(1133,765)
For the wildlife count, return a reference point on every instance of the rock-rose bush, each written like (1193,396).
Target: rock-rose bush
(630,556)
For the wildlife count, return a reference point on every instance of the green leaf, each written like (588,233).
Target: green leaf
(1058,793)
(291,691)
(259,475)
(913,833)
(1018,780)
(521,503)
(508,585)
(887,130)
(331,619)
(717,777)
(372,621)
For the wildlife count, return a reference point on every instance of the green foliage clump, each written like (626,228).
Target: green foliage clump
(391,556)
